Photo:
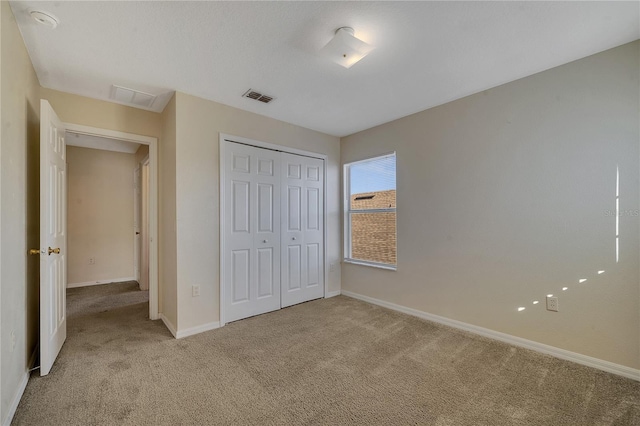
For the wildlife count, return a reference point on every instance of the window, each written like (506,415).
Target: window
(370,212)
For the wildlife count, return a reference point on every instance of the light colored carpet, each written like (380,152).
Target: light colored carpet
(334,361)
(101,298)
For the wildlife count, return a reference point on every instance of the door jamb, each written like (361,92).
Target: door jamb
(153,199)
(224,139)
(145,199)
(137,243)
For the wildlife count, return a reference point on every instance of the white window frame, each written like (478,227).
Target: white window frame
(347,215)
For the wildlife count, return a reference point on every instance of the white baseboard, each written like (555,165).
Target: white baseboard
(198,329)
(168,324)
(600,364)
(16,400)
(23,385)
(108,281)
(332,294)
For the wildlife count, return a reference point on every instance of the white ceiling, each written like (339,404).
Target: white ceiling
(97,142)
(427,53)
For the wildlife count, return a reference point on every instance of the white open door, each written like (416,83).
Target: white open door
(53,237)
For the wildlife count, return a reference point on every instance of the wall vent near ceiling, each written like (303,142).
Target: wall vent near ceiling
(252,94)
(132,97)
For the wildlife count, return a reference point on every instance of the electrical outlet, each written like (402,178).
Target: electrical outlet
(195,290)
(92,261)
(332,267)
(13,341)
(552,304)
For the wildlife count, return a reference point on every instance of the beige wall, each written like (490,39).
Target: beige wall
(167,217)
(199,123)
(503,197)
(19,185)
(99,215)
(95,113)
(19,217)
(104,115)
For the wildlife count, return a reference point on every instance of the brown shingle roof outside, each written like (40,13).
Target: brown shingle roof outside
(373,235)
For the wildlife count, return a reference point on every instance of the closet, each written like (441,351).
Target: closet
(272,230)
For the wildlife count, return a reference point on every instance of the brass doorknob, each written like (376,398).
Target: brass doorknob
(55,250)
(34,251)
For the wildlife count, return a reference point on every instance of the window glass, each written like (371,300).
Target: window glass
(372,183)
(371,211)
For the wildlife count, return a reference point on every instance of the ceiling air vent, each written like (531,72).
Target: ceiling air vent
(252,94)
(132,97)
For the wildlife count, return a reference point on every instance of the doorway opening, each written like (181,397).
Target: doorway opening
(112,219)
(53,225)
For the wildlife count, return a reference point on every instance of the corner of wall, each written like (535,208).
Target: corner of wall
(167,295)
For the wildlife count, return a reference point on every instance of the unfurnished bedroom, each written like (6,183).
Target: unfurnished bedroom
(380,213)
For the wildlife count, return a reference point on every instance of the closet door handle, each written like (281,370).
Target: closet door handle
(264,241)
(293,238)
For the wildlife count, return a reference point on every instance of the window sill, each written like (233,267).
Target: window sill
(373,264)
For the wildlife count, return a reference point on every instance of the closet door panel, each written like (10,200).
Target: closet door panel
(302,229)
(251,246)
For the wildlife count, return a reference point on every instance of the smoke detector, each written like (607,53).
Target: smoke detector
(257,96)
(44,18)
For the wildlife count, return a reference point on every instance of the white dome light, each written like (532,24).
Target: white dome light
(345,49)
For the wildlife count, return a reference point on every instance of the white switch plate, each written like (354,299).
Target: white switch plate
(195,290)
(552,304)
(332,267)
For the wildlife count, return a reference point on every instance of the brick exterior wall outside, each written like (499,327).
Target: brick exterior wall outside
(373,235)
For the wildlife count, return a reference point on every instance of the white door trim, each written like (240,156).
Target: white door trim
(137,221)
(145,221)
(153,199)
(224,139)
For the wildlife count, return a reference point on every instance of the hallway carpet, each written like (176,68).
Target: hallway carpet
(82,301)
(334,361)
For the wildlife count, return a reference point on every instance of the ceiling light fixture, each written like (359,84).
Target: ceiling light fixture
(44,18)
(345,49)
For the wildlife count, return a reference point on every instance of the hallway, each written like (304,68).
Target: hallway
(82,301)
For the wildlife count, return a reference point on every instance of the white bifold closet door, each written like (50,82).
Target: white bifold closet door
(273,249)
(252,231)
(302,229)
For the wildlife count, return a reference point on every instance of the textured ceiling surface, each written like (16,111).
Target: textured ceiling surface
(427,53)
